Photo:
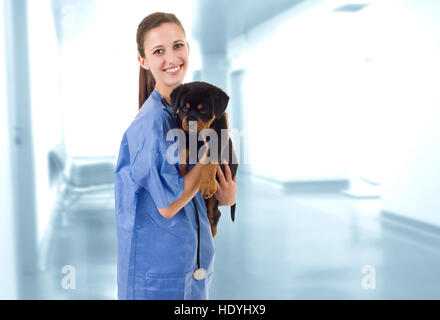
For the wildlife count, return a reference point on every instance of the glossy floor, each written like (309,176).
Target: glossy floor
(314,245)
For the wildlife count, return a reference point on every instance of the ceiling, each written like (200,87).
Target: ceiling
(218,21)
(215,22)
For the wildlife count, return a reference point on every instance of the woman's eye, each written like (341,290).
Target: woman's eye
(158,51)
(179,45)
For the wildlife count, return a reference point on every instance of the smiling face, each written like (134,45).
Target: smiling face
(166,56)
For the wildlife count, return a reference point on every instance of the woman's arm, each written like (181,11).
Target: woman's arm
(191,187)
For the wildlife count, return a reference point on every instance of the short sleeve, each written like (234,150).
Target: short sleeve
(156,174)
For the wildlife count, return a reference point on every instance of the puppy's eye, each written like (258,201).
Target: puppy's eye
(184,108)
(201,108)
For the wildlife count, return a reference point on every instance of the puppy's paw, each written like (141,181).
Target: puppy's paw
(208,187)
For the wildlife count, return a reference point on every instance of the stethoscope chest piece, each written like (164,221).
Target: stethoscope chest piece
(199,274)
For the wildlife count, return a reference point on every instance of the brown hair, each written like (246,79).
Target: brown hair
(154,20)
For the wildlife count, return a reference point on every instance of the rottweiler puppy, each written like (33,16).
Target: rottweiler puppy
(205,104)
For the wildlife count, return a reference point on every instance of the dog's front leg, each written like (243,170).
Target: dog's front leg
(208,184)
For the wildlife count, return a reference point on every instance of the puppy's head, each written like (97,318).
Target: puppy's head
(198,101)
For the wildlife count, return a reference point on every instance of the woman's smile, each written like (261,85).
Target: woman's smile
(173,70)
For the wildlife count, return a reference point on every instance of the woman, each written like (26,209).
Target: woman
(157,225)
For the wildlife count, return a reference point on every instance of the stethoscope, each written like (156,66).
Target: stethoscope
(200,273)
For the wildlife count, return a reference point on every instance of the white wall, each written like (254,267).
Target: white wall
(295,116)
(412,77)
(348,93)
(8,288)
(46,107)
(215,69)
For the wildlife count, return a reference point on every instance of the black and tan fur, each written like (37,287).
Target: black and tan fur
(206,104)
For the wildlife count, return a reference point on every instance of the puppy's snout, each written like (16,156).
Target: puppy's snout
(189,124)
(192,118)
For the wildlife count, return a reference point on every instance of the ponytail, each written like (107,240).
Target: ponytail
(146,85)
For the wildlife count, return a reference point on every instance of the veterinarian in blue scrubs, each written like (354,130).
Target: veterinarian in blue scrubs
(165,245)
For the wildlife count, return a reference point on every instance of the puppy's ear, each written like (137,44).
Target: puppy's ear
(176,97)
(219,102)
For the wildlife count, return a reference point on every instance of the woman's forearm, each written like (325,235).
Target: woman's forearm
(191,187)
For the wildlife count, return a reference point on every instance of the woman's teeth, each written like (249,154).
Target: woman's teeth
(173,70)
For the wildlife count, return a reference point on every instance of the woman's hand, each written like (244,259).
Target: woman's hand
(226,189)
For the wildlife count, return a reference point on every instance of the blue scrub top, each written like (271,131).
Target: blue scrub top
(157,256)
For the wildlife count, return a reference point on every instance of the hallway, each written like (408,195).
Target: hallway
(310,246)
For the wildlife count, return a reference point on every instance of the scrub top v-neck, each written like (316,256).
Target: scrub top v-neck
(157,256)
